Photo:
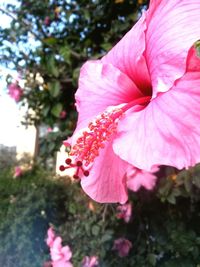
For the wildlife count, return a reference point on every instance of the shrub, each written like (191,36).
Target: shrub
(164,229)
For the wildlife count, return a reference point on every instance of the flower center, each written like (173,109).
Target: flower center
(99,131)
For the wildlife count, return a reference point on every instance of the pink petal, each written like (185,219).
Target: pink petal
(94,261)
(124,212)
(128,56)
(123,246)
(50,237)
(62,263)
(172,28)
(106,182)
(137,178)
(55,250)
(100,86)
(167,131)
(67,254)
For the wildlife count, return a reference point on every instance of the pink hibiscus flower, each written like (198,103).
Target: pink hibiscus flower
(139,105)
(50,237)
(18,172)
(90,261)
(15,91)
(47,21)
(137,178)
(58,252)
(124,212)
(63,114)
(122,246)
(60,255)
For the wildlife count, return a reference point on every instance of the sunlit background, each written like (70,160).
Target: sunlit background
(9,111)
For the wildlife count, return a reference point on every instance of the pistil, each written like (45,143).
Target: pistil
(100,131)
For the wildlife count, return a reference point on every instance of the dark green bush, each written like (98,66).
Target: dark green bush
(164,229)
(27,206)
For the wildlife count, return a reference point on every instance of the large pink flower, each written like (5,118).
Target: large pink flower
(140,104)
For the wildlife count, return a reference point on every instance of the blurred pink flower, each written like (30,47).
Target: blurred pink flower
(50,237)
(122,246)
(15,91)
(47,264)
(47,21)
(17,172)
(58,252)
(61,263)
(139,105)
(90,261)
(60,255)
(49,129)
(124,212)
(137,178)
(63,114)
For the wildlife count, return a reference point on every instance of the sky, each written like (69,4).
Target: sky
(9,111)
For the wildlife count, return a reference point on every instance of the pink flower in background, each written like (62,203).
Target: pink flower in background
(63,114)
(47,264)
(139,105)
(49,130)
(18,172)
(50,237)
(124,212)
(61,263)
(47,21)
(60,255)
(90,261)
(58,252)
(137,178)
(15,91)
(122,246)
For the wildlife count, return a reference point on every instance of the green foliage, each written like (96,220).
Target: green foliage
(48,41)
(163,234)
(27,206)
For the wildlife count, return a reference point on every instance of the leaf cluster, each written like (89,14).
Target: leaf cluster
(163,233)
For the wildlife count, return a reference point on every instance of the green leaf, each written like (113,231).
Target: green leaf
(51,146)
(188,184)
(152,259)
(46,110)
(54,88)
(50,40)
(65,53)
(95,230)
(171,198)
(75,75)
(106,46)
(51,66)
(196,181)
(106,237)
(57,109)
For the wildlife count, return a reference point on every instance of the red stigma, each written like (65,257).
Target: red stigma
(68,161)
(86,173)
(76,177)
(98,132)
(94,138)
(62,168)
(79,163)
